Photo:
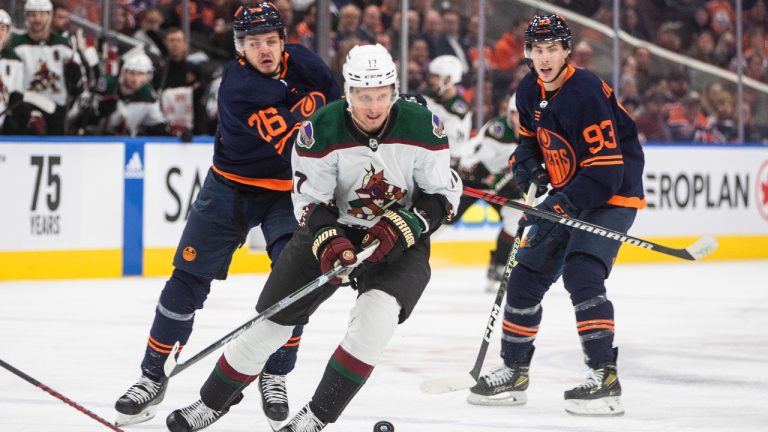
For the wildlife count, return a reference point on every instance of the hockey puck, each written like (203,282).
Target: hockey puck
(383,426)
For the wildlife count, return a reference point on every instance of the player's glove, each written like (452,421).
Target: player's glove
(396,231)
(415,98)
(331,247)
(528,172)
(557,203)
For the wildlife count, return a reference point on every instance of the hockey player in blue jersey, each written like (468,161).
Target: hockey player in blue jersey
(577,137)
(265,93)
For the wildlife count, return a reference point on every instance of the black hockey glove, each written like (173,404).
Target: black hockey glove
(527,172)
(415,98)
(331,247)
(557,203)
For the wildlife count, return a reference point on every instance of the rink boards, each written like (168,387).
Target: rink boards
(103,208)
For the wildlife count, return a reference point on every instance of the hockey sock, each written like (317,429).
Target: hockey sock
(224,386)
(584,278)
(174,316)
(282,361)
(522,314)
(504,243)
(343,378)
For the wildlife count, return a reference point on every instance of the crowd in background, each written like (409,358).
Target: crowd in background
(667,103)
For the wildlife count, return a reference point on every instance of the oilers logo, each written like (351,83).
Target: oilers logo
(559,157)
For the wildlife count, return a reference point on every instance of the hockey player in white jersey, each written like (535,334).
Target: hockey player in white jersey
(51,66)
(123,105)
(368,168)
(486,166)
(443,99)
(11,71)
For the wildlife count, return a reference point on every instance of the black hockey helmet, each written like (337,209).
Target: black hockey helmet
(547,28)
(261,18)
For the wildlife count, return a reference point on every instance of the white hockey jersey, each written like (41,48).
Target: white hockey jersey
(11,80)
(43,64)
(334,163)
(457,118)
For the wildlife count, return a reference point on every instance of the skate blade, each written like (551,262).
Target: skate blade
(603,407)
(127,420)
(515,398)
(274,424)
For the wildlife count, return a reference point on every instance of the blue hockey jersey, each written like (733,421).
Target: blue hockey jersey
(584,137)
(259,117)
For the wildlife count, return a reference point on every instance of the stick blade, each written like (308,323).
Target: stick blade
(703,247)
(447,385)
(170,362)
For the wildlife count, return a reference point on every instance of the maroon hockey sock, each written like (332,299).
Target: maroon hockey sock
(224,386)
(343,378)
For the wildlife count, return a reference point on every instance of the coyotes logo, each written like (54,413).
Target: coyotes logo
(45,79)
(375,196)
(559,157)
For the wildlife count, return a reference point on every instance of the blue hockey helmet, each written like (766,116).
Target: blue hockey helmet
(261,18)
(546,28)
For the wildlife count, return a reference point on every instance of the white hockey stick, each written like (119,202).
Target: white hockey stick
(461,382)
(172,368)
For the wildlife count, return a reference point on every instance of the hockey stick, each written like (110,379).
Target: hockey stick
(701,248)
(172,367)
(450,384)
(59,396)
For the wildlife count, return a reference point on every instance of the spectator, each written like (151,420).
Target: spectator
(582,56)
(678,83)
(708,98)
(704,47)
(432,30)
(385,40)
(349,25)
(668,36)
(509,48)
(686,117)
(632,23)
(722,18)
(418,52)
(456,45)
(180,85)
(416,80)
(721,127)
(150,20)
(651,122)
(307,27)
(370,24)
(60,20)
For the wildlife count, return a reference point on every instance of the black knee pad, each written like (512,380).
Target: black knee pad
(184,292)
(584,277)
(526,287)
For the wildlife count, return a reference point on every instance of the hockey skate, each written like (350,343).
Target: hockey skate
(192,418)
(598,396)
(140,401)
(304,421)
(494,277)
(503,386)
(274,398)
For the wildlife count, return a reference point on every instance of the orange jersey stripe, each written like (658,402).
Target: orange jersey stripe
(633,202)
(525,132)
(273,184)
(601,326)
(603,160)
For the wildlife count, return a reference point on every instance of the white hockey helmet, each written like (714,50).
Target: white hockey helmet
(446,66)
(5,19)
(369,66)
(38,5)
(139,62)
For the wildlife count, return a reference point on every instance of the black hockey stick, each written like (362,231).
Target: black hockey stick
(172,368)
(59,396)
(701,248)
(450,384)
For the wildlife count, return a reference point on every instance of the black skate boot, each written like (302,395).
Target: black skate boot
(192,418)
(494,276)
(598,396)
(140,401)
(274,398)
(304,421)
(503,386)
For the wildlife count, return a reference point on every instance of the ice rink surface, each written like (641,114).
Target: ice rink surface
(693,341)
